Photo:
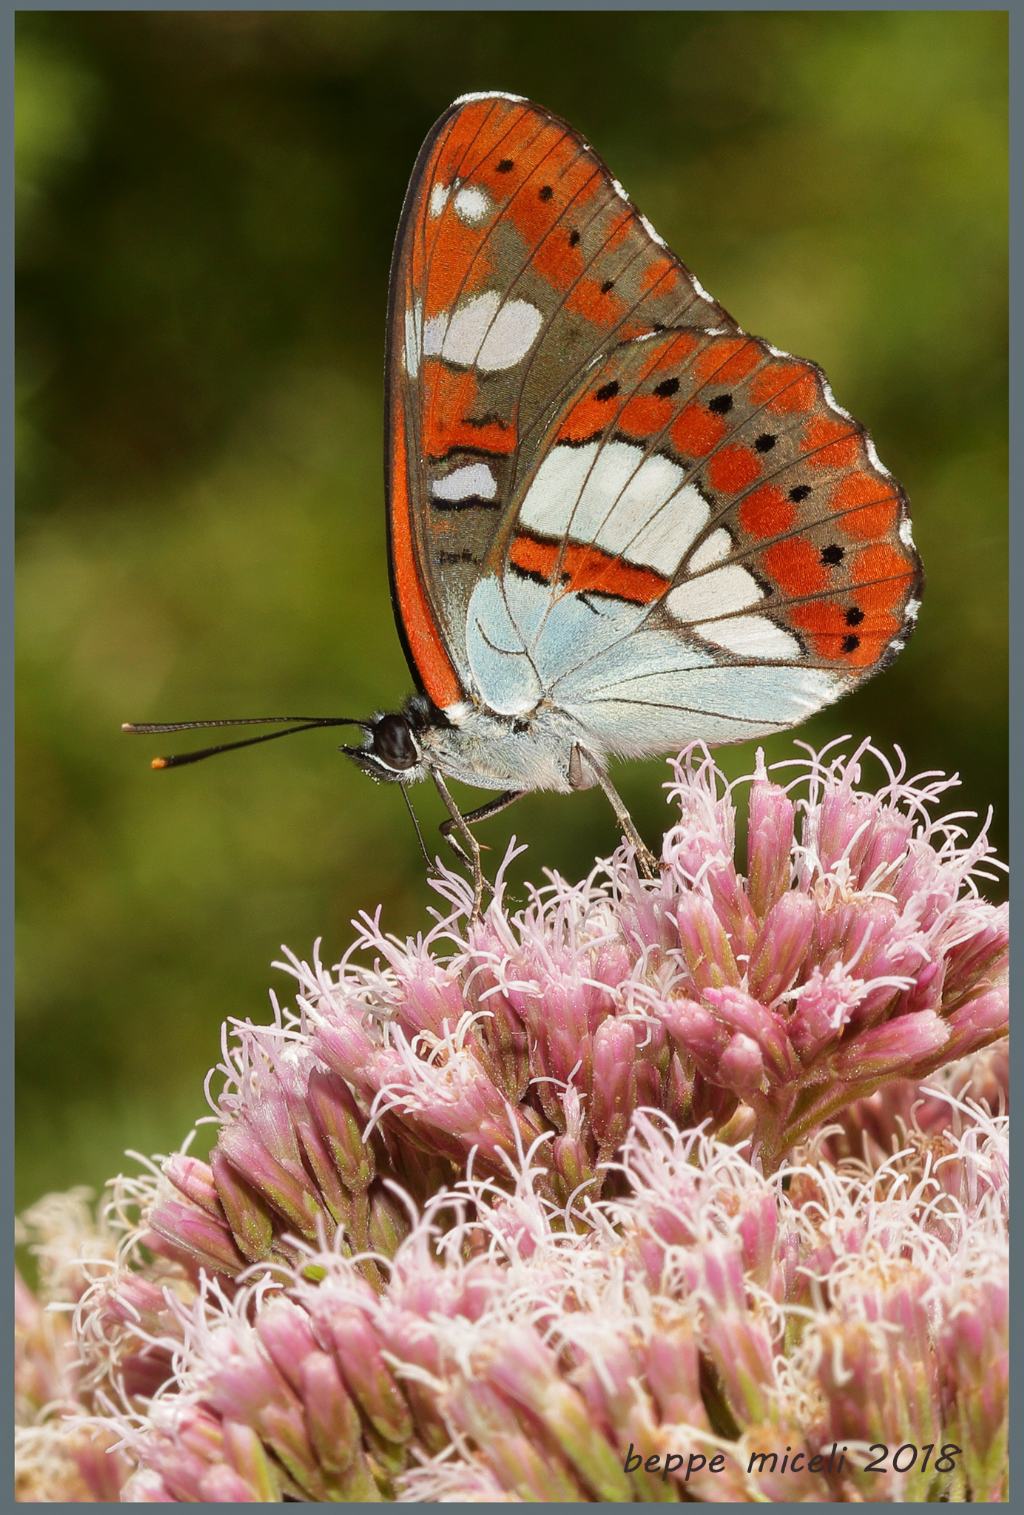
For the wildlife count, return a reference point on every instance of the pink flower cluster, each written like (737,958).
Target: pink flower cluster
(638,1167)
(711,1314)
(855,951)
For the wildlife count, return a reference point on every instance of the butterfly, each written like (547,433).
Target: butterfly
(616,521)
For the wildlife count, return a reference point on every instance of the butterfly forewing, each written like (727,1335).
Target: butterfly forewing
(519,262)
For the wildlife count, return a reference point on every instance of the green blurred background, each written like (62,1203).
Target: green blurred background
(206,206)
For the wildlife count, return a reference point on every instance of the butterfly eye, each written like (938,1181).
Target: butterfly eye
(393,742)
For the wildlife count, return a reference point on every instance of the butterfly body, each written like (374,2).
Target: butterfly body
(471,745)
(492,751)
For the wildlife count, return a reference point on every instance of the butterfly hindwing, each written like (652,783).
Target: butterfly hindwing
(519,262)
(707,545)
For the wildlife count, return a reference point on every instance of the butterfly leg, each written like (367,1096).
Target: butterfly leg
(482,813)
(457,833)
(647,863)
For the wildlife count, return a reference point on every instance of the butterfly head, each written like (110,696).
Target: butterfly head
(391,750)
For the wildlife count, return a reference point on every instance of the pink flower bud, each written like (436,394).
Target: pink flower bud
(196,1234)
(822,1009)
(334,1425)
(843,824)
(345,1045)
(278,1176)
(984,952)
(250,1463)
(979,1021)
(732,906)
(697,1032)
(614,1081)
(222,1485)
(571,1162)
(741,1013)
(367,1376)
(769,844)
(286,1335)
(891,1050)
(246,1214)
(342,1124)
(528,1375)
(706,948)
(193,1179)
(781,946)
(146,1487)
(974,1354)
(884,846)
(738,1342)
(741,1066)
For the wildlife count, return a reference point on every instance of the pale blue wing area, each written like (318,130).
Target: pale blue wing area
(505,676)
(630,711)
(630,688)
(561,632)
(520,642)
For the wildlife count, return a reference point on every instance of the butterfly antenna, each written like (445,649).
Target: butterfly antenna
(294,723)
(415,823)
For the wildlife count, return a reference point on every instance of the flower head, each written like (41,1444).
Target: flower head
(854,951)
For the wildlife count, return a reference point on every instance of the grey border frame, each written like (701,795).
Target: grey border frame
(1016,528)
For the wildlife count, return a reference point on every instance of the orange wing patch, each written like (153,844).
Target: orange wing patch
(458,264)
(727,360)
(843,633)
(785,387)
(831,442)
(870,506)
(766,512)
(558,259)
(733,468)
(696,431)
(795,565)
(579,568)
(449,397)
(644,416)
(881,576)
(554,191)
(596,302)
